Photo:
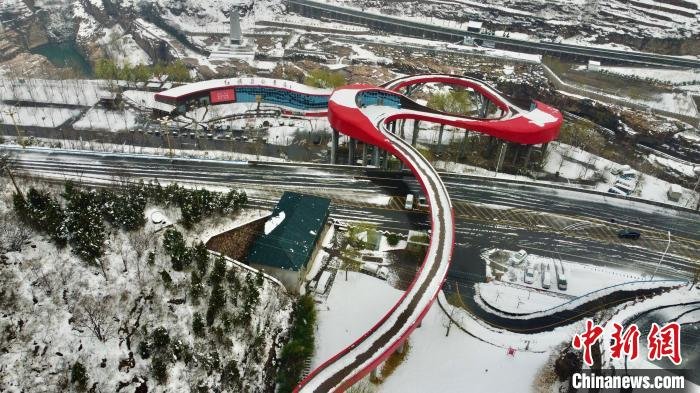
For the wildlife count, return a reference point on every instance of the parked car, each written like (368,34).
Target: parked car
(546,279)
(561,282)
(628,234)
(409,202)
(529,275)
(629,174)
(618,170)
(617,191)
(518,257)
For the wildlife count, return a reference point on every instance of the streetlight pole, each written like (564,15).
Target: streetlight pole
(697,172)
(662,256)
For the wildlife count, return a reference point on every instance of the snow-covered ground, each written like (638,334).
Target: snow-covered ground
(661,74)
(573,163)
(35,116)
(433,360)
(122,48)
(71,92)
(458,361)
(351,308)
(107,120)
(515,299)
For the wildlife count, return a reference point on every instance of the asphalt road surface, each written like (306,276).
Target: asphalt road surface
(358,194)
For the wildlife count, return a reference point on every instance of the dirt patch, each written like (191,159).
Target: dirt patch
(236,242)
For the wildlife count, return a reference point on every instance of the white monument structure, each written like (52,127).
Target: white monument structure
(235,46)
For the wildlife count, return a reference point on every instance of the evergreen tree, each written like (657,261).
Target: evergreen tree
(174,245)
(197,325)
(231,376)
(196,287)
(78,375)
(84,223)
(160,339)
(217,300)
(200,255)
(43,213)
(218,273)
(125,210)
(159,368)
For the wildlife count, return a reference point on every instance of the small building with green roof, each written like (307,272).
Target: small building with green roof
(290,237)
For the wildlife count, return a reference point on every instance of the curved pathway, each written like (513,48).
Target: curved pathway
(364,112)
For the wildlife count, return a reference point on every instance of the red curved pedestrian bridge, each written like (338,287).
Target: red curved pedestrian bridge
(366,112)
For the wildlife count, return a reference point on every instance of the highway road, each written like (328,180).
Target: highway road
(402,26)
(539,217)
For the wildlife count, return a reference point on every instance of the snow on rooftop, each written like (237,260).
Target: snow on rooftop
(196,87)
(273,222)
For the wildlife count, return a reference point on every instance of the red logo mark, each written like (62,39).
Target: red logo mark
(665,342)
(586,340)
(625,344)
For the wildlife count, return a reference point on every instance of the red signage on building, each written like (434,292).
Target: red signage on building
(222,95)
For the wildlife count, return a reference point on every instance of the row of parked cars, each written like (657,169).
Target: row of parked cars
(625,182)
(520,257)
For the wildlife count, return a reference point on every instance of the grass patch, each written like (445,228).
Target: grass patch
(392,363)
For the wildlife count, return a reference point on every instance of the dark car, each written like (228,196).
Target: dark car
(628,234)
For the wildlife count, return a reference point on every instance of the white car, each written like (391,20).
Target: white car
(529,275)
(546,279)
(518,257)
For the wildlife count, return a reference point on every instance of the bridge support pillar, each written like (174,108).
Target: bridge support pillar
(375,156)
(516,153)
(334,146)
(401,347)
(501,156)
(414,138)
(385,164)
(351,151)
(364,154)
(439,141)
(528,152)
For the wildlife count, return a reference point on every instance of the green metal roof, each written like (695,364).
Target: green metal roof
(289,244)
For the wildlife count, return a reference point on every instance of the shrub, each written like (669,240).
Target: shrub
(196,287)
(124,210)
(160,339)
(159,368)
(300,345)
(392,239)
(84,223)
(167,280)
(174,245)
(198,325)
(78,375)
(231,376)
(144,349)
(43,213)
(218,273)
(217,300)
(200,255)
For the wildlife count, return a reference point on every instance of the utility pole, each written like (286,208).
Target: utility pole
(166,123)
(697,172)
(12,113)
(662,256)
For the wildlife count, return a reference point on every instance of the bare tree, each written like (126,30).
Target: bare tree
(7,167)
(93,314)
(140,242)
(12,234)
